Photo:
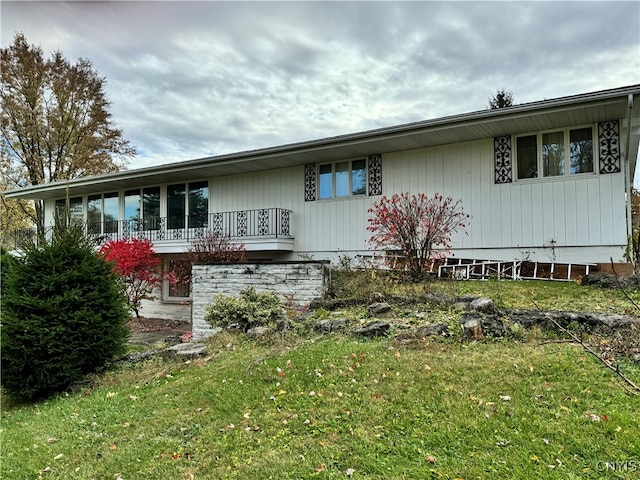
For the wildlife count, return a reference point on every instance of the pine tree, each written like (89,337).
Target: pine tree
(63,316)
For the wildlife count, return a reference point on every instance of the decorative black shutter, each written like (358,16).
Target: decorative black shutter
(609,146)
(375,174)
(310,182)
(502,159)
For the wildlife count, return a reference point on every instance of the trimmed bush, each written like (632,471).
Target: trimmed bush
(250,309)
(64,316)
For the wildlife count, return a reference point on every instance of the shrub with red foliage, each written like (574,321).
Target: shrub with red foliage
(136,263)
(418,227)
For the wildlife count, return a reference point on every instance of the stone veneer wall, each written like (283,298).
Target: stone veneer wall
(298,282)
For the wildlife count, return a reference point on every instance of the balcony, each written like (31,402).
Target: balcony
(264,229)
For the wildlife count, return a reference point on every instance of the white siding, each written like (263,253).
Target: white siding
(578,217)
(555,216)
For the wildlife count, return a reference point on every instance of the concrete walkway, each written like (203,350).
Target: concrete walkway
(151,338)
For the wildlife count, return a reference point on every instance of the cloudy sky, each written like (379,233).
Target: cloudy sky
(192,79)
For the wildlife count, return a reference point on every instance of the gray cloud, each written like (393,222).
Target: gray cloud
(192,79)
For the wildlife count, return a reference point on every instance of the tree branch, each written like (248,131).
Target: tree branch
(615,274)
(630,387)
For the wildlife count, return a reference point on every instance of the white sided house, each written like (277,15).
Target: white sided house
(546,181)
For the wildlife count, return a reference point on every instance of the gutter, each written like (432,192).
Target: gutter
(627,176)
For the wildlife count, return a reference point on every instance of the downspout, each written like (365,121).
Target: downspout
(627,176)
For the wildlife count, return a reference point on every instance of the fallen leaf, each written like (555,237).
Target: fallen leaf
(52,440)
(59,456)
(534,458)
(113,446)
(505,398)
(321,468)
(430,458)
(349,472)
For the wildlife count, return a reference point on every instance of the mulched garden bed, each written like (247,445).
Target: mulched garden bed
(148,324)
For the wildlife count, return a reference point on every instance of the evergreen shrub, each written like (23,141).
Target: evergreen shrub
(64,316)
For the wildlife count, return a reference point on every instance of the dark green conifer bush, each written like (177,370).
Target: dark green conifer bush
(64,316)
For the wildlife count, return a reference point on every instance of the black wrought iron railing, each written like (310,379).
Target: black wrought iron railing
(238,225)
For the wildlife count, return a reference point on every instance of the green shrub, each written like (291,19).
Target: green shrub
(5,258)
(250,309)
(63,316)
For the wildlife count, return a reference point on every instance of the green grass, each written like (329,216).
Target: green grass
(316,407)
(507,294)
(305,406)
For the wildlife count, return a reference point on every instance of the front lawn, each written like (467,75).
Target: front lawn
(332,406)
(336,407)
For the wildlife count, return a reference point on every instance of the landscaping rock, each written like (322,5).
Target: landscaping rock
(482,304)
(375,329)
(331,325)
(186,351)
(440,329)
(379,308)
(608,280)
(139,356)
(437,329)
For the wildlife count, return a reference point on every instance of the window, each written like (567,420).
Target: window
(102,213)
(198,204)
(555,153)
(145,202)
(70,210)
(581,150)
(175,206)
(342,179)
(111,214)
(151,208)
(177,291)
(132,209)
(192,198)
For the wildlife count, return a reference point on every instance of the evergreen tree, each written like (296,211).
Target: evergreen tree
(502,98)
(63,315)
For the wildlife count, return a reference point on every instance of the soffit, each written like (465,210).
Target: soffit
(460,128)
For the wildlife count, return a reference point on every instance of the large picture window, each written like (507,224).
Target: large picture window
(188,201)
(69,210)
(342,179)
(555,153)
(102,213)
